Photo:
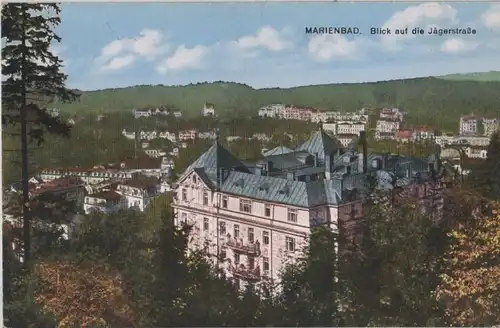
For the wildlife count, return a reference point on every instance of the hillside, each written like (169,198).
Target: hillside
(492,76)
(426,100)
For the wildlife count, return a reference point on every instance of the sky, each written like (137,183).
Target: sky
(111,45)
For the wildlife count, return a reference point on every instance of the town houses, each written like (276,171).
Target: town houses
(257,217)
(162,110)
(99,173)
(188,134)
(136,192)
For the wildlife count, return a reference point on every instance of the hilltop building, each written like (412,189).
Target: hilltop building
(208,110)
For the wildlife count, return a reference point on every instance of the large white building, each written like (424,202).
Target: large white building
(152,167)
(461,140)
(257,217)
(469,125)
(350,127)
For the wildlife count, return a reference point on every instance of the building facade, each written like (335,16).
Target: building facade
(257,218)
(469,125)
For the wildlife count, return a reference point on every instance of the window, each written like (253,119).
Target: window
(251,263)
(222,228)
(223,254)
(265,237)
(206,224)
(236,258)
(267,210)
(245,206)
(184,195)
(236,231)
(290,244)
(194,178)
(250,235)
(224,201)
(292,215)
(184,217)
(205,198)
(265,264)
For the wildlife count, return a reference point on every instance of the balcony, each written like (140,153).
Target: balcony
(241,272)
(252,249)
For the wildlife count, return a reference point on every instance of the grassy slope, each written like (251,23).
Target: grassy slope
(426,100)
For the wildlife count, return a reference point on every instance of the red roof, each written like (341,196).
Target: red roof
(424,128)
(64,182)
(404,134)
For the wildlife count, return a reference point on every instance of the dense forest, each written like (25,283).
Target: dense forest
(479,76)
(432,101)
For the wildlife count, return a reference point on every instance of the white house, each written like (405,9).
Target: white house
(104,202)
(142,113)
(139,191)
(387,125)
(128,134)
(208,110)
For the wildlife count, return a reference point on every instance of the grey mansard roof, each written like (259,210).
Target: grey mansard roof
(238,179)
(322,144)
(278,151)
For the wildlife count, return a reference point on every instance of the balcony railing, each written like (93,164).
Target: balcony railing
(241,272)
(247,248)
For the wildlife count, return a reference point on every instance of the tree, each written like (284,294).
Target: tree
(33,77)
(83,294)
(486,178)
(309,292)
(470,288)
(391,278)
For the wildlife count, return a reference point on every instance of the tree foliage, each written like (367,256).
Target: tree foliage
(33,73)
(470,287)
(83,295)
(486,176)
(309,290)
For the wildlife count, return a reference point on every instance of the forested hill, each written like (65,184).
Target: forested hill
(426,100)
(480,76)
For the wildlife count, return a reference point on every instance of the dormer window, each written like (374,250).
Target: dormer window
(285,190)
(194,178)
(264,187)
(240,183)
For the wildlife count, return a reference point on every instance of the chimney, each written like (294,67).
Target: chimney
(364,143)
(328,166)
(269,166)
